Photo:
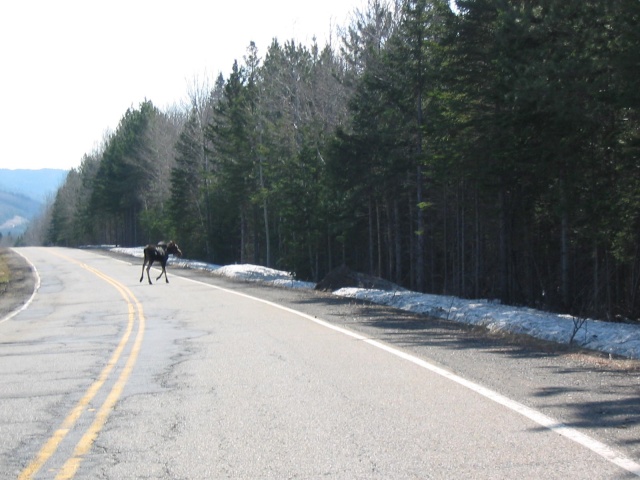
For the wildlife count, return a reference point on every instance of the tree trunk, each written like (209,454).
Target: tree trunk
(379,235)
(398,241)
(477,249)
(265,212)
(243,234)
(419,242)
(462,242)
(445,243)
(371,255)
(564,258)
(412,247)
(503,253)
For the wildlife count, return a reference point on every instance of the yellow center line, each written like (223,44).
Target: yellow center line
(46,452)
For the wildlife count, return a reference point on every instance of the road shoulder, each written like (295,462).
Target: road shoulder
(19,288)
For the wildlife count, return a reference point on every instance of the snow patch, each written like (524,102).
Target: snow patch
(245,272)
(615,338)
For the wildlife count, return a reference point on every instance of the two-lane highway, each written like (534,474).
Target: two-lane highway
(105,377)
(71,354)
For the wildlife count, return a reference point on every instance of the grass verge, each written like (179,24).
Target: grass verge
(5,272)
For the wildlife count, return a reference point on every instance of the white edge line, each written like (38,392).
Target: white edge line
(540,418)
(33,294)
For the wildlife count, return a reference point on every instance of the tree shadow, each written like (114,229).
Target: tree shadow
(598,393)
(410,329)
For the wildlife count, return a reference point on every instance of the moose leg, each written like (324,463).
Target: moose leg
(149,268)
(163,272)
(143,265)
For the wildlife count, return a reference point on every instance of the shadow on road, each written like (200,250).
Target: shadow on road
(595,392)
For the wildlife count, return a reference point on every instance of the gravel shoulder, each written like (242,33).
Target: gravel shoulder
(594,393)
(19,288)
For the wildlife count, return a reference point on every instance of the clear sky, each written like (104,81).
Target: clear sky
(71,68)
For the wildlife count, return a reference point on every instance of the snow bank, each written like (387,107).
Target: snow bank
(614,338)
(246,272)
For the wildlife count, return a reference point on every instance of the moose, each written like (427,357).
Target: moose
(160,253)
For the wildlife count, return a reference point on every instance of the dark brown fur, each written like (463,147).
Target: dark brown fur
(161,254)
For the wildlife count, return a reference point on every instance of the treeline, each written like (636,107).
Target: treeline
(491,152)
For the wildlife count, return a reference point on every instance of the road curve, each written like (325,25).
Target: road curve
(106,377)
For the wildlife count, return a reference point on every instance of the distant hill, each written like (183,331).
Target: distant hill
(23,194)
(35,184)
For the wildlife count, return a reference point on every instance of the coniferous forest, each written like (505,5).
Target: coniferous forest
(491,152)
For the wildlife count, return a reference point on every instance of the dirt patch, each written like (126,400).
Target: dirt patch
(18,281)
(344,277)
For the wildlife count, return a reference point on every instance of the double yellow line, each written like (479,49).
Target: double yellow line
(72,464)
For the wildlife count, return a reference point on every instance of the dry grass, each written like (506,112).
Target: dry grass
(5,272)
(607,362)
(588,358)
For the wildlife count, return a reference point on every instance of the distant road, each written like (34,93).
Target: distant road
(105,377)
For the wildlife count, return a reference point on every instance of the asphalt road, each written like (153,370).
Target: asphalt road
(106,377)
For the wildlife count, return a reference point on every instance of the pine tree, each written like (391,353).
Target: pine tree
(229,134)
(188,204)
(115,201)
